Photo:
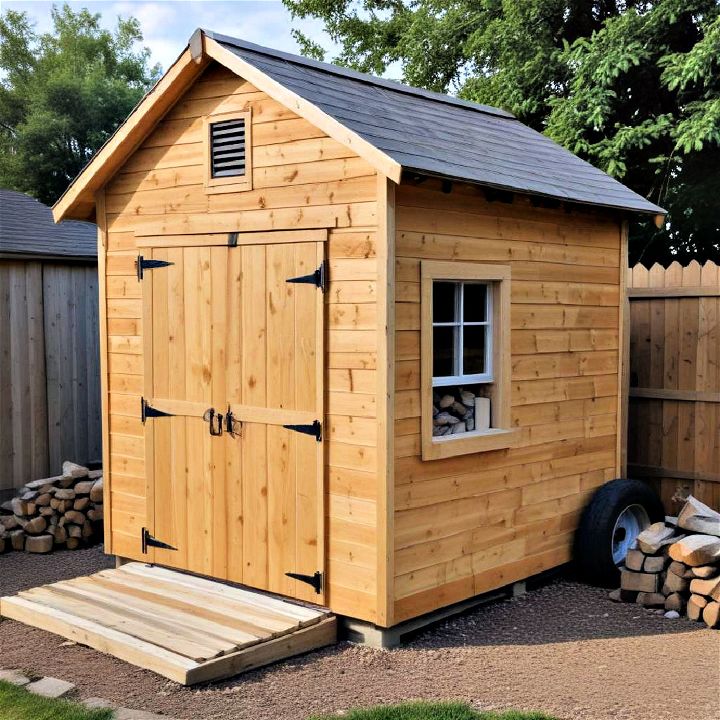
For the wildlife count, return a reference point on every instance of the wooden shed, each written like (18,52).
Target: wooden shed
(299,265)
(49,350)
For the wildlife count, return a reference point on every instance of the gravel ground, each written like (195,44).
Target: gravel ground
(564,648)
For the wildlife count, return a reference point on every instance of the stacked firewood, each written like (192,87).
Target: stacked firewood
(458,410)
(62,511)
(675,566)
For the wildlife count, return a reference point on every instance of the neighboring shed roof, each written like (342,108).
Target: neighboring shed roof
(27,229)
(441,135)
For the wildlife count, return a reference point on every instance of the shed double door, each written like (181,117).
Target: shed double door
(226,333)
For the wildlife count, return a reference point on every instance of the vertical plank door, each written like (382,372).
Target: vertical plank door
(225,332)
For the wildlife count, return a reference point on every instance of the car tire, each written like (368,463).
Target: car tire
(609,525)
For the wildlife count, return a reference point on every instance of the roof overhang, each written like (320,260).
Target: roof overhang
(78,201)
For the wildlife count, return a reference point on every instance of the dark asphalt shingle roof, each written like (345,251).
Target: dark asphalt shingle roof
(441,135)
(27,228)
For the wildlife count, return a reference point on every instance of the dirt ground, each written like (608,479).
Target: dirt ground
(563,648)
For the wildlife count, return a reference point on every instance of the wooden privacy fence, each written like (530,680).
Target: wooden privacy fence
(49,368)
(674,395)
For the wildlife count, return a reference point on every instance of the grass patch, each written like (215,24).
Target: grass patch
(16,703)
(432,711)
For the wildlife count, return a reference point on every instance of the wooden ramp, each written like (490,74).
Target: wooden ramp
(186,628)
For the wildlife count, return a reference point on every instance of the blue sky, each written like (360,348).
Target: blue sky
(167,24)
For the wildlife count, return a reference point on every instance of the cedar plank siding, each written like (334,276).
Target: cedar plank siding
(472,523)
(301,179)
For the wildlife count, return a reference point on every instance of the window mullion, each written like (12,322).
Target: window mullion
(459,307)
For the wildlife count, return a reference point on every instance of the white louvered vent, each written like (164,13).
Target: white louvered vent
(227,148)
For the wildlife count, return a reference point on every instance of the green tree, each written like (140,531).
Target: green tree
(631,86)
(62,94)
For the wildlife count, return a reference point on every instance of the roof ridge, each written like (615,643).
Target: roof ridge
(357,75)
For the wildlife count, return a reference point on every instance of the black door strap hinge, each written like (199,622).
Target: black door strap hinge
(149,541)
(214,420)
(315,580)
(317,278)
(147,411)
(315,429)
(143,264)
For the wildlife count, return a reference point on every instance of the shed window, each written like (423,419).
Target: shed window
(462,332)
(228,152)
(465,358)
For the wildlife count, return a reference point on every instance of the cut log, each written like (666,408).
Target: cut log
(74,531)
(74,470)
(709,588)
(634,560)
(40,484)
(681,570)
(20,507)
(64,494)
(81,503)
(698,517)
(704,571)
(654,538)
(711,614)
(695,606)
(43,500)
(675,601)
(696,550)
(84,487)
(73,543)
(655,563)
(39,544)
(96,494)
(651,599)
(674,583)
(75,517)
(36,526)
(46,512)
(640,582)
(95,514)
(17,539)
(9,522)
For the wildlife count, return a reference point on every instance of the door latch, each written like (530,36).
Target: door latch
(214,420)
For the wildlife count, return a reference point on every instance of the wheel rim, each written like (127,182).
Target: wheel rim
(630,523)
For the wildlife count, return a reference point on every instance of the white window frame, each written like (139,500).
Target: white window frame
(501,434)
(460,378)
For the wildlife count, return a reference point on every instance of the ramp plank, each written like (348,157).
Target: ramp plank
(266,619)
(102,638)
(186,628)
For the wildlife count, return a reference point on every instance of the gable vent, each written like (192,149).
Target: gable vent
(227,148)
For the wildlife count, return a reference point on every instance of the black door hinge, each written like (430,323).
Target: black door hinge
(233,239)
(317,278)
(143,264)
(147,411)
(149,541)
(315,580)
(315,429)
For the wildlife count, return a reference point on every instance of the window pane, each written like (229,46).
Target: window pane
(443,351)
(475,309)
(474,349)
(444,302)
